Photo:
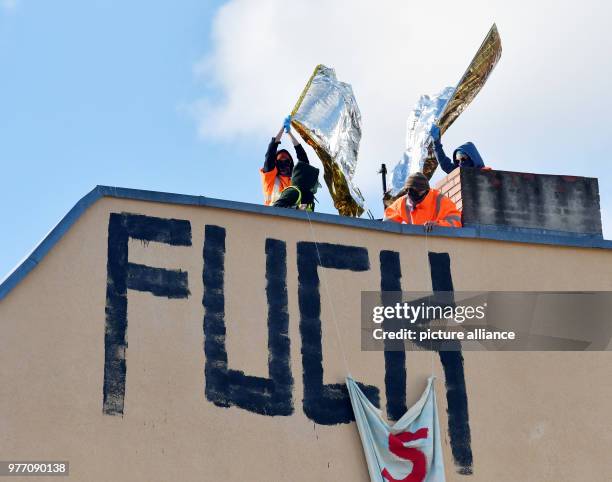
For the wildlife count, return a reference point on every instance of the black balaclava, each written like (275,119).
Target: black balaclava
(285,167)
(417,186)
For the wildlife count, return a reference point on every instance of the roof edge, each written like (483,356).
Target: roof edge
(498,233)
(14,277)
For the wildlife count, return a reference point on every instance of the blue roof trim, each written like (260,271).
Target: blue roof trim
(49,241)
(497,233)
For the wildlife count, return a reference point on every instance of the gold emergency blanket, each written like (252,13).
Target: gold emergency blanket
(442,109)
(467,89)
(328,119)
(473,79)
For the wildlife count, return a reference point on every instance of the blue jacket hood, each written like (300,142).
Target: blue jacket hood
(470,149)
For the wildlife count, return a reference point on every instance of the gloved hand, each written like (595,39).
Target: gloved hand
(287,123)
(428,226)
(435,132)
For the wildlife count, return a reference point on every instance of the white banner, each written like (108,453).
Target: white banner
(408,451)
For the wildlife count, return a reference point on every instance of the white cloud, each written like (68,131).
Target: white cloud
(9,5)
(540,110)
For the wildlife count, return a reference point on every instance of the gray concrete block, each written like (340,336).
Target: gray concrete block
(504,198)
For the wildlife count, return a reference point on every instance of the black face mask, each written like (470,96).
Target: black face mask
(416,196)
(285,167)
(463,160)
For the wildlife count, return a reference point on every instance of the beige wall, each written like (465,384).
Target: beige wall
(533,416)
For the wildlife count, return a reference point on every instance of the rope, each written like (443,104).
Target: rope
(331,303)
(329,299)
(431,350)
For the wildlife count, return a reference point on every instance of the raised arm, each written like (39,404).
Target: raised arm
(299,150)
(279,135)
(445,162)
(270,160)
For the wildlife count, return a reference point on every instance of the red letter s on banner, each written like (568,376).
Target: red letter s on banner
(418,459)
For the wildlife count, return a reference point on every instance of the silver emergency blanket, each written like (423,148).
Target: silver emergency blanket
(425,113)
(443,109)
(328,119)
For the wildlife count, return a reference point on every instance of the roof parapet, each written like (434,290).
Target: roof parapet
(544,203)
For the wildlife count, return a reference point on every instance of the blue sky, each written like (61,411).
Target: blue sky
(183,96)
(90,95)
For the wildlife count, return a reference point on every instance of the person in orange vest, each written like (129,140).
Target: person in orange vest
(301,193)
(423,205)
(278,166)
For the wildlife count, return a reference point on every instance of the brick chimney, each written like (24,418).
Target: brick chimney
(560,204)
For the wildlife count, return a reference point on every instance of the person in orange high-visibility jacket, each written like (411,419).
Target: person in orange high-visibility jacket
(424,206)
(278,166)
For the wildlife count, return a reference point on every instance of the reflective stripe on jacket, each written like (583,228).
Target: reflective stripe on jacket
(298,203)
(273,185)
(435,207)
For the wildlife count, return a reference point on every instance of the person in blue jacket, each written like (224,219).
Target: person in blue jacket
(465,155)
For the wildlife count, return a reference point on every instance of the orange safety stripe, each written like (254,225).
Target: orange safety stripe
(273,185)
(435,207)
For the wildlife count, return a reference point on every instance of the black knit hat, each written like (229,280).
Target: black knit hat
(417,181)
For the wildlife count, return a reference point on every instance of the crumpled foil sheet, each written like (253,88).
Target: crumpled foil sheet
(420,120)
(419,150)
(328,119)
(473,79)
